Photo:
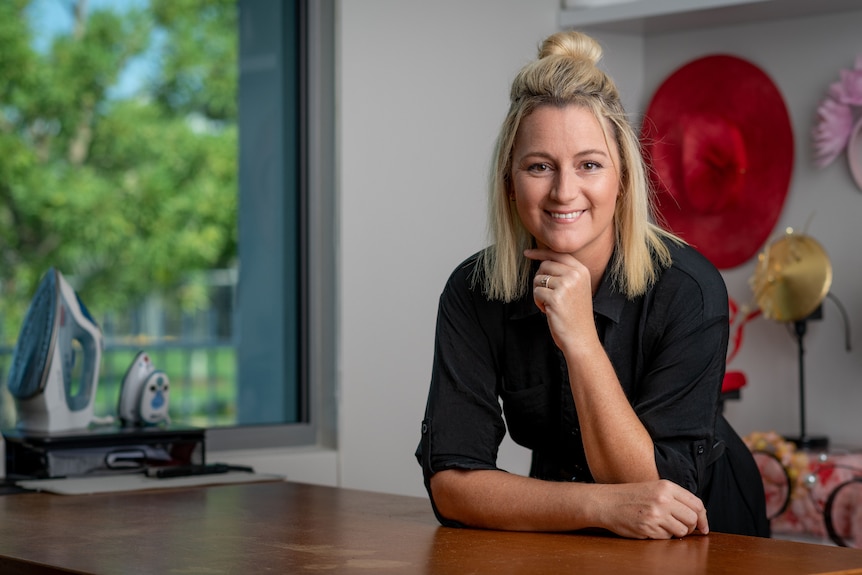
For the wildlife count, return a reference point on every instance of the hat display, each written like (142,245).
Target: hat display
(839,124)
(792,277)
(719,142)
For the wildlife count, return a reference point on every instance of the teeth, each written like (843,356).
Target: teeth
(568,216)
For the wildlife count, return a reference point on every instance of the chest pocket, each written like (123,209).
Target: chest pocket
(533,372)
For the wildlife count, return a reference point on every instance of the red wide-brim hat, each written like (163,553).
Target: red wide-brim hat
(718,139)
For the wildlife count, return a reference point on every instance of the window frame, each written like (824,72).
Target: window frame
(263,274)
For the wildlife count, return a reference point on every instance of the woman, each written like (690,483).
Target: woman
(602,336)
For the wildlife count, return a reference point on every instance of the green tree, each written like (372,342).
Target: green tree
(127,195)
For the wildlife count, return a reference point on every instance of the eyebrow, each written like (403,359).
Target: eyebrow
(592,151)
(582,153)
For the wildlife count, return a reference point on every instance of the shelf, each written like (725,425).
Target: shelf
(660,16)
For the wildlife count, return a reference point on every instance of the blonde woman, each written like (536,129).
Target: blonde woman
(597,338)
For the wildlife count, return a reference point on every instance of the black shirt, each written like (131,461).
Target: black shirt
(668,348)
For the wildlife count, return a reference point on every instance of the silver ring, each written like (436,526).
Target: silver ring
(544,281)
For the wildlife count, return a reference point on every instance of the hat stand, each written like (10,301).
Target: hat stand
(805,441)
(792,278)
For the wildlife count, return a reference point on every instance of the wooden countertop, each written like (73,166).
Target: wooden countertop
(284,527)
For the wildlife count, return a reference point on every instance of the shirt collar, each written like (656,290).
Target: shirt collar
(608,301)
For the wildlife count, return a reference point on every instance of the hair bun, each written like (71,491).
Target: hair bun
(571,44)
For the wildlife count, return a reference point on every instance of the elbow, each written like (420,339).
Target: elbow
(443,497)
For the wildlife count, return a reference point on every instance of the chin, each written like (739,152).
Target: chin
(562,247)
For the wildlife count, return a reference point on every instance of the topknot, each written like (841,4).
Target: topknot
(571,44)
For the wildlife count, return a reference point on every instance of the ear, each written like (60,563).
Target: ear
(507,185)
(510,190)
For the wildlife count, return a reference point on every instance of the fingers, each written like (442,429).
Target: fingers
(668,522)
(686,508)
(702,523)
(542,281)
(557,276)
(659,510)
(549,256)
(690,512)
(555,264)
(687,521)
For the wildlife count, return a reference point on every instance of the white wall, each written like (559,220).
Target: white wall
(423,89)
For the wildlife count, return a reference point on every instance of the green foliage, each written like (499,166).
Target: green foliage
(196,78)
(126,196)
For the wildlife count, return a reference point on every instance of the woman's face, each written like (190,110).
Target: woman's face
(565,182)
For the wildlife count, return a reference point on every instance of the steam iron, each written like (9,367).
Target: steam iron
(144,394)
(55,365)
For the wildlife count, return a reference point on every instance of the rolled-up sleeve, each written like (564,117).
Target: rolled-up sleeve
(463,424)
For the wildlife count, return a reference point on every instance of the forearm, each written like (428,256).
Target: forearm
(498,500)
(618,447)
(493,499)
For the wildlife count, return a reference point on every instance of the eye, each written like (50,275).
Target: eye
(590,166)
(539,168)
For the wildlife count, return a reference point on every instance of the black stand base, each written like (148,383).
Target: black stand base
(100,450)
(809,443)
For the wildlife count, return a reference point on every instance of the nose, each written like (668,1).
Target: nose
(567,186)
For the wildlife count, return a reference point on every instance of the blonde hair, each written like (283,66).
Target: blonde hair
(566,73)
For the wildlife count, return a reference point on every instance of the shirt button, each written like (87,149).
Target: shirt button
(700,449)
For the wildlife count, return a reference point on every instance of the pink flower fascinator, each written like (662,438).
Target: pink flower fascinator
(839,122)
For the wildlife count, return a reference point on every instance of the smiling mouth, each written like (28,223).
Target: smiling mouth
(565,216)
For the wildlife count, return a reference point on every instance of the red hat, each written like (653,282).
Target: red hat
(718,138)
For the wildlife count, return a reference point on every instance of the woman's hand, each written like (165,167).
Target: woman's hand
(652,510)
(562,289)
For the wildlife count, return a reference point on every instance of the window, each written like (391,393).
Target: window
(266,342)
